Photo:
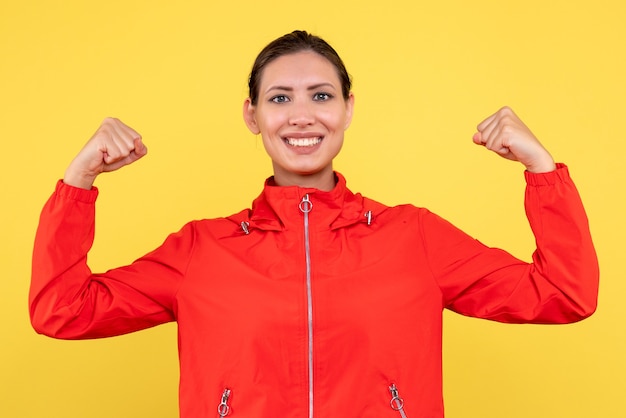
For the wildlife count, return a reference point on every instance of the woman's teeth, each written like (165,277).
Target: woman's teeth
(303,142)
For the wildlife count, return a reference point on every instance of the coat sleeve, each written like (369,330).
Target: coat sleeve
(68,301)
(560,285)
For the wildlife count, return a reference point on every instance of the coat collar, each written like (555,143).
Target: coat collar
(277,207)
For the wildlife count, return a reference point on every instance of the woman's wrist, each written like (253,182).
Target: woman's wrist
(75,179)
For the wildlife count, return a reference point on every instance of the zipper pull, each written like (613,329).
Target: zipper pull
(306,205)
(223,409)
(397,403)
(368,215)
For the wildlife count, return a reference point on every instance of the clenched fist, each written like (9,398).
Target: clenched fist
(505,134)
(113,146)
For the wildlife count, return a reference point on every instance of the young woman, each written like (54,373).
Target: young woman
(315,302)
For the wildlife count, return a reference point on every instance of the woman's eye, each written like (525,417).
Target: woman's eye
(322,97)
(279,99)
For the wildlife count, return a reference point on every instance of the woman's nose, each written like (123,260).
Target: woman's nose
(301,114)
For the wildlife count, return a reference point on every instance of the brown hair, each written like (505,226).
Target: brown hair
(292,43)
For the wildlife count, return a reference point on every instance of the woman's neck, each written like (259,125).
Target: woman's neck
(324,180)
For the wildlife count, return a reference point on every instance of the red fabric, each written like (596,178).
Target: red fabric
(378,291)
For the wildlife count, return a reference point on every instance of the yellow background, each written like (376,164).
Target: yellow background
(425,73)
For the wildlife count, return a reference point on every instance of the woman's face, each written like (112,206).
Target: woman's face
(301,116)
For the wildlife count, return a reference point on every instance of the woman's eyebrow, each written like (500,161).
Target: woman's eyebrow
(281,88)
(317,86)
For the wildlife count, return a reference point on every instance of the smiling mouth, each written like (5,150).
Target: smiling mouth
(303,142)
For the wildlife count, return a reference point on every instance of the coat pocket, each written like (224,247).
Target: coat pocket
(223,408)
(396,403)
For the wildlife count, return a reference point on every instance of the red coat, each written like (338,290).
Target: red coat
(333,318)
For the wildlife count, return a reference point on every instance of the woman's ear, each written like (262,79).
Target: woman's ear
(249,116)
(349,110)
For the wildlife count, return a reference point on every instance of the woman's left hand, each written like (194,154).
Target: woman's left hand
(505,134)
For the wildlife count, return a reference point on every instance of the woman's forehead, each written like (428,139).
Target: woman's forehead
(301,68)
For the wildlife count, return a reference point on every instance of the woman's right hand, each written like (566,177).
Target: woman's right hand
(113,146)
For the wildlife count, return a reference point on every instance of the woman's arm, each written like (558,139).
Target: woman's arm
(66,299)
(561,283)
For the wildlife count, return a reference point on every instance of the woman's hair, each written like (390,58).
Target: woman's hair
(291,43)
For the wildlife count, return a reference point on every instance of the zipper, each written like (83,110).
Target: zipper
(397,403)
(223,409)
(305,207)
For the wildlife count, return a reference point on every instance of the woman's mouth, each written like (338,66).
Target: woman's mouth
(303,142)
